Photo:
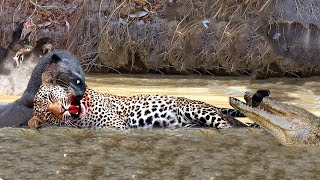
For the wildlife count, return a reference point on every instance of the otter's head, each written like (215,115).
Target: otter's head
(21,46)
(60,67)
(65,74)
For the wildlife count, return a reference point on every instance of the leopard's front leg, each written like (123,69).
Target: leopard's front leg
(35,122)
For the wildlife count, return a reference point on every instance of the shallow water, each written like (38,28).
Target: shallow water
(60,153)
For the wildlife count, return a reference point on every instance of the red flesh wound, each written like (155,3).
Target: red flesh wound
(73,109)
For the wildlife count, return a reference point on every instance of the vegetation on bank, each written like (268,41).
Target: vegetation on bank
(259,38)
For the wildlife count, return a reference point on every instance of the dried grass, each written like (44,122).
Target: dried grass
(179,45)
(171,39)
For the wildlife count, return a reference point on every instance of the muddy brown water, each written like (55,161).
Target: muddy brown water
(244,153)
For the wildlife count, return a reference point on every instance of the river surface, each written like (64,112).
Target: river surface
(244,153)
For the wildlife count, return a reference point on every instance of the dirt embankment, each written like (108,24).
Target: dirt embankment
(259,38)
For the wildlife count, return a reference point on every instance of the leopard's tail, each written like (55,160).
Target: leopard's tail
(231,112)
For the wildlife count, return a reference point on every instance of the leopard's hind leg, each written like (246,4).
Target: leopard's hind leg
(202,114)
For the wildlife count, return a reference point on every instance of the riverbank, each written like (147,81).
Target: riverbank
(257,38)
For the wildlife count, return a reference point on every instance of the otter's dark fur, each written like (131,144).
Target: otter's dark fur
(66,70)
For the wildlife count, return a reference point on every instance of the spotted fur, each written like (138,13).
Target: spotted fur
(147,111)
(48,105)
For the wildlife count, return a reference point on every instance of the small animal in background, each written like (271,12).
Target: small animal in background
(21,47)
(45,43)
(43,46)
(22,39)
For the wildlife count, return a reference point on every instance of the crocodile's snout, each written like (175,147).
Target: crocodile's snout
(289,124)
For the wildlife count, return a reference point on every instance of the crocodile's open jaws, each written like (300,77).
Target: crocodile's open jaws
(290,125)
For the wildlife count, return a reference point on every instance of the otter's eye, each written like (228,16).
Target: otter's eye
(78,82)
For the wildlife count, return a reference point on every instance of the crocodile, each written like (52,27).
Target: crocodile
(289,124)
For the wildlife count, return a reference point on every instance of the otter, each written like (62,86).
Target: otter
(21,53)
(43,46)
(22,48)
(16,50)
(31,54)
(65,70)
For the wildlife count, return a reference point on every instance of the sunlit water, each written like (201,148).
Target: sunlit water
(64,153)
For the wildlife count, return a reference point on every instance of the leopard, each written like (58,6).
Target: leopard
(54,105)
(62,66)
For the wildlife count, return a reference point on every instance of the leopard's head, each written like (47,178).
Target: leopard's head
(56,105)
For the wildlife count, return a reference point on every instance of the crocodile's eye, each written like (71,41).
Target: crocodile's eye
(78,82)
